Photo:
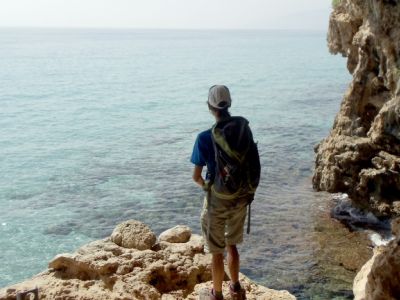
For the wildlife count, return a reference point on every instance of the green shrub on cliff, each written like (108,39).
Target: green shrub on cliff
(335,3)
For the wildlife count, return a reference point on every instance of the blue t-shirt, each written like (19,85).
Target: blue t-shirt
(203,153)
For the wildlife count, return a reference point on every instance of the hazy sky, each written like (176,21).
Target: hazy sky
(224,14)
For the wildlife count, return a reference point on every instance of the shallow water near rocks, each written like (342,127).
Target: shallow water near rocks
(97,127)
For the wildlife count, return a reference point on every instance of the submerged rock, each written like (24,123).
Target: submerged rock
(361,156)
(104,270)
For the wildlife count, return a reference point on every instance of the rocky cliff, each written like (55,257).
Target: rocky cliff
(134,264)
(361,156)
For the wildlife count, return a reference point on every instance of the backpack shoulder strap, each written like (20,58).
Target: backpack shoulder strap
(233,129)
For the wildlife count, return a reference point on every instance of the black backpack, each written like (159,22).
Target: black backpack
(237,159)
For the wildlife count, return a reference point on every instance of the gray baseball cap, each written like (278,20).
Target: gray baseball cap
(219,97)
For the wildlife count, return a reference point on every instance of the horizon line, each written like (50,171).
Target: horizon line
(155,28)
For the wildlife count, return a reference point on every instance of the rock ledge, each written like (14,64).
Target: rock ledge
(103,270)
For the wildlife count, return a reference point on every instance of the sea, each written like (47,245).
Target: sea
(97,127)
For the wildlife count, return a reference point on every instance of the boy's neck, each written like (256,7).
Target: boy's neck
(221,119)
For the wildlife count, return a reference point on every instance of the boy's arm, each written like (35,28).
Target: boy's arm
(197,175)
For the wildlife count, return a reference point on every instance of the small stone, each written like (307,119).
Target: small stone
(177,234)
(133,234)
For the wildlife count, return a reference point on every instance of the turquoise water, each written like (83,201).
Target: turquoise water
(97,126)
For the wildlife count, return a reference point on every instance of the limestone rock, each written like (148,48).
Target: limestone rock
(396,227)
(133,234)
(379,278)
(103,270)
(253,291)
(177,234)
(361,156)
(361,279)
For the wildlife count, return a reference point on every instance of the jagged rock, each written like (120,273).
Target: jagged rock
(384,278)
(396,227)
(133,234)
(103,270)
(177,234)
(361,279)
(379,278)
(361,156)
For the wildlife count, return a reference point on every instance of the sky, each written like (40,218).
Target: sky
(168,14)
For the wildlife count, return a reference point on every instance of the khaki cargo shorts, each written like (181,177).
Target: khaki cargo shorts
(226,219)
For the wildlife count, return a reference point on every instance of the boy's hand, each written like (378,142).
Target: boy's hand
(206,186)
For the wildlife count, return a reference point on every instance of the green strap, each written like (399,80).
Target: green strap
(240,193)
(220,140)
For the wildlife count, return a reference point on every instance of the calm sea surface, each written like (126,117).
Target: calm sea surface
(97,127)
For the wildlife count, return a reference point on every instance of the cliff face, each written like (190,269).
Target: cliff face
(361,156)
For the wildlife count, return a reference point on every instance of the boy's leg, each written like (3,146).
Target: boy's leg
(233,263)
(234,236)
(218,271)
(213,228)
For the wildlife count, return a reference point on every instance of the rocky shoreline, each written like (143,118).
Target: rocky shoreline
(361,156)
(134,264)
